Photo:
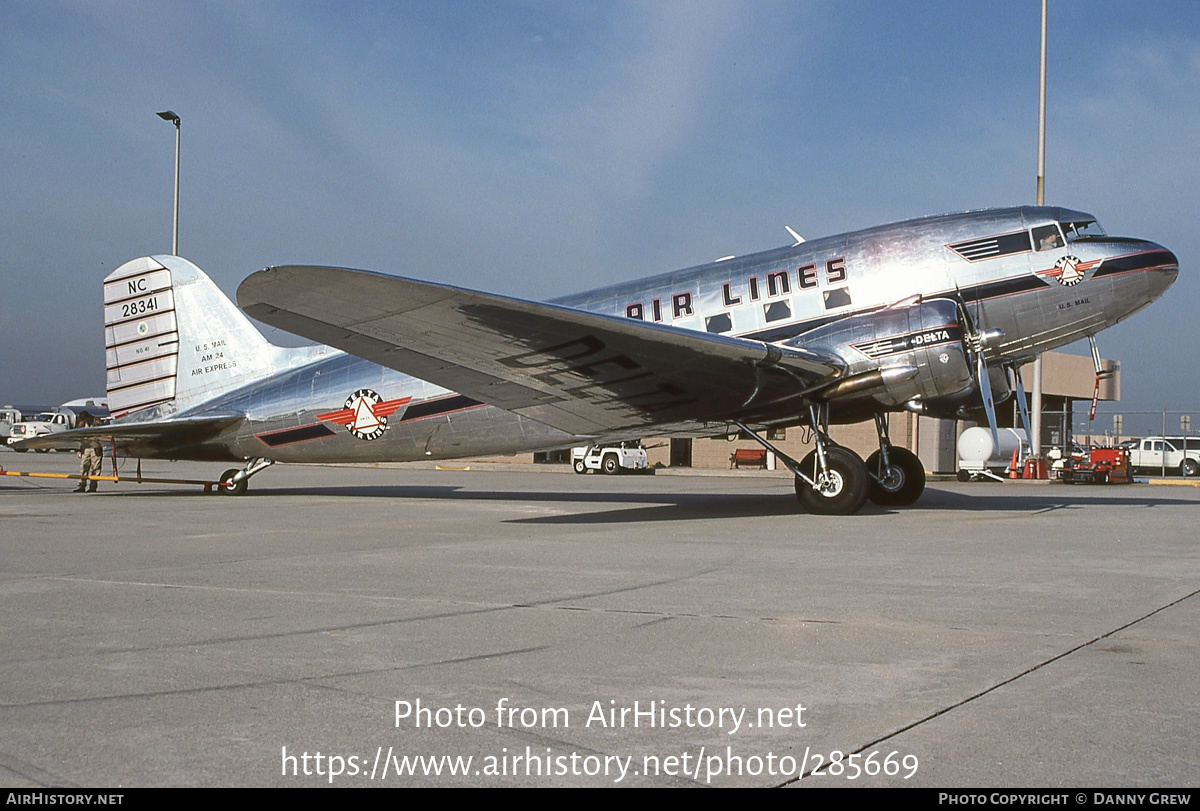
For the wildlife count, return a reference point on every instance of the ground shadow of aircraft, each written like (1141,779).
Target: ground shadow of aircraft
(579,508)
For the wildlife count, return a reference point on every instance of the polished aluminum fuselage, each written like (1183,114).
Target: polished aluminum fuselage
(776,297)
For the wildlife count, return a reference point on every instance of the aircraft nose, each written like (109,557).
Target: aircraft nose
(1164,270)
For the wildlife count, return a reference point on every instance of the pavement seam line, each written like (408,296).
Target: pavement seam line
(998,685)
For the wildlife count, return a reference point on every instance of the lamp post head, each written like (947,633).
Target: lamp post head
(167,115)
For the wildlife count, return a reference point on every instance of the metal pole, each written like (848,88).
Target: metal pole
(167,115)
(1163,444)
(1185,425)
(175,218)
(1036,417)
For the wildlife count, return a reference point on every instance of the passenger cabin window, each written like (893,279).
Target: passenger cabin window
(718,323)
(777,311)
(837,297)
(1047,238)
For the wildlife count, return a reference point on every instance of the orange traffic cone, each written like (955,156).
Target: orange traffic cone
(1012,467)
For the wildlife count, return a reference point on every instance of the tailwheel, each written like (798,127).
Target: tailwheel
(841,489)
(230,487)
(233,482)
(898,484)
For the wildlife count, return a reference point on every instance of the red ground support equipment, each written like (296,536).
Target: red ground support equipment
(1103,466)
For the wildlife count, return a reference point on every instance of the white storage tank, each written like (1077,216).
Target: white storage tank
(978,453)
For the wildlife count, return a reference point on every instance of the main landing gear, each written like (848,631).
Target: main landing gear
(234,482)
(838,485)
(832,480)
(897,475)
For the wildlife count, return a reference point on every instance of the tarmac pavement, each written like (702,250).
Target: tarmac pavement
(592,630)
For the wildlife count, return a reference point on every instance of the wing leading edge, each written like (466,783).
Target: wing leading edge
(577,371)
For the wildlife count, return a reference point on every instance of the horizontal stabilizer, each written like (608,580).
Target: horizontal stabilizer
(578,371)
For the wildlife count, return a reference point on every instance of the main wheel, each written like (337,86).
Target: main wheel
(610,464)
(841,490)
(898,485)
(1189,467)
(231,488)
(580,467)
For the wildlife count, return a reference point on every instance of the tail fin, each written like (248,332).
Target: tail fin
(174,340)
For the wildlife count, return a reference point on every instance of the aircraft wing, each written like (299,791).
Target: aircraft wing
(581,372)
(141,439)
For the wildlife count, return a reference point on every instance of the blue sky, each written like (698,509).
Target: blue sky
(537,148)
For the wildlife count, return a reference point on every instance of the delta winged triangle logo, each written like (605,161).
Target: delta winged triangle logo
(365,414)
(1071,274)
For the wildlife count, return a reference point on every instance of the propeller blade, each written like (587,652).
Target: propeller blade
(985,390)
(1101,374)
(1021,402)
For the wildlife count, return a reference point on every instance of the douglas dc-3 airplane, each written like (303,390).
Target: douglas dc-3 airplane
(930,315)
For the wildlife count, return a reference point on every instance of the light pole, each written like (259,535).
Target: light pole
(167,115)
(1035,441)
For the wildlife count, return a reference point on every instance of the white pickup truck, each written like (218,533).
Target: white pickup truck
(9,417)
(610,458)
(1174,453)
(48,422)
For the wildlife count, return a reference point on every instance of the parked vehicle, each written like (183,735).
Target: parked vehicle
(1176,453)
(1100,466)
(610,458)
(9,417)
(48,422)
(1061,458)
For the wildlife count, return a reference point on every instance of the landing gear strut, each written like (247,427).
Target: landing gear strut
(897,475)
(234,482)
(830,480)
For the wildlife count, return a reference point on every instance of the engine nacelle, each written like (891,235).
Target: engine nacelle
(901,355)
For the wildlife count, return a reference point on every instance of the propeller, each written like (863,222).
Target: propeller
(976,341)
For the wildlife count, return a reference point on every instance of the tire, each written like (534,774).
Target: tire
(964,476)
(21,450)
(229,487)
(901,484)
(1189,467)
(42,450)
(610,465)
(846,488)
(580,467)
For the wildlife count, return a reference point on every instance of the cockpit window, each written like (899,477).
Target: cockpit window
(1046,238)
(1086,229)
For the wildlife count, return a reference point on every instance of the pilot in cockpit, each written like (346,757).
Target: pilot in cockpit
(1049,240)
